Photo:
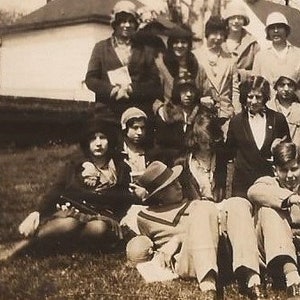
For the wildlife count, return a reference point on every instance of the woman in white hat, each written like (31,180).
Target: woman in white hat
(280,57)
(240,43)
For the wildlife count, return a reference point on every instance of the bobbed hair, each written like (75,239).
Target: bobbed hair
(98,123)
(254,83)
(214,24)
(285,152)
(206,128)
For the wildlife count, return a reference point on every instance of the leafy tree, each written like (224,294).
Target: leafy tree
(8,17)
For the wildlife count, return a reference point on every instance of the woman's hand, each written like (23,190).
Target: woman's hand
(30,224)
(114,226)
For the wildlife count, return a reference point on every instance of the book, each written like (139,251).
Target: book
(119,76)
(152,271)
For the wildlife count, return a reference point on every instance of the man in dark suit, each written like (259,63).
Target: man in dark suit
(251,134)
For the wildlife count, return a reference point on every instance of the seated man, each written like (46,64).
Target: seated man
(278,199)
(185,233)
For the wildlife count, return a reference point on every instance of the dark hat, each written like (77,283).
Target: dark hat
(157,176)
(100,120)
(184,79)
(179,32)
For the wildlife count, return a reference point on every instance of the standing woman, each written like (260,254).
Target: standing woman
(114,74)
(88,200)
(220,69)
(177,59)
(240,43)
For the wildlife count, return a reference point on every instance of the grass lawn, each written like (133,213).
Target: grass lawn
(25,177)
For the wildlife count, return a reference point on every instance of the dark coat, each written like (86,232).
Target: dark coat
(145,79)
(113,202)
(250,162)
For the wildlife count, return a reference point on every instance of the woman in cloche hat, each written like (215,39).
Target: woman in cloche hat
(85,203)
(242,45)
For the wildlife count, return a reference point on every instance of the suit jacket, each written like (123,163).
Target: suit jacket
(250,162)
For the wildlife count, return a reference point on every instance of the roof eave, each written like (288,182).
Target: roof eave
(23,27)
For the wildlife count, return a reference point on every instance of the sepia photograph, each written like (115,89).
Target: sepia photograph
(149,149)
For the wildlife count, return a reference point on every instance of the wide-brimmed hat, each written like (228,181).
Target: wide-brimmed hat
(156,177)
(235,8)
(131,113)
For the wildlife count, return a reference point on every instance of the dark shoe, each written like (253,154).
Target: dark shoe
(293,291)
(256,292)
(209,295)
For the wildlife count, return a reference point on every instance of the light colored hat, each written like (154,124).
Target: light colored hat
(235,8)
(157,176)
(130,113)
(276,18)
(294,76)
(125,7)
(139,249)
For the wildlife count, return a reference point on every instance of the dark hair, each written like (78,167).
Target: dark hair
(131,121)
(284,152)
(214,24)
(254,83)
(99,123)
(206,128)
(171,60)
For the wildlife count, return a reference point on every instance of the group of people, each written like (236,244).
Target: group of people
(153,167)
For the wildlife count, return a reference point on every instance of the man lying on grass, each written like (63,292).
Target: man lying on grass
(89,199)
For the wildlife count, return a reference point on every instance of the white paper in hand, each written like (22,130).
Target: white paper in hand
(152,271)
(119,76)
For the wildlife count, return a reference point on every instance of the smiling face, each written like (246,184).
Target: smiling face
(98,145)
(236,23)
(277,33)
(180,47)
(289,175)
(125,25)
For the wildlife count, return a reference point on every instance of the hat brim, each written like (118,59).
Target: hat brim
(176,172)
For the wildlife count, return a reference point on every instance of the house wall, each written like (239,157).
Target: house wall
(49,63)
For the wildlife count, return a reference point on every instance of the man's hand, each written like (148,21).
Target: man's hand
(139,191)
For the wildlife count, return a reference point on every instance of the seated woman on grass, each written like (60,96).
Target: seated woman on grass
(87,201)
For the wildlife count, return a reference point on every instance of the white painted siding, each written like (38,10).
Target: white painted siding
(49,63)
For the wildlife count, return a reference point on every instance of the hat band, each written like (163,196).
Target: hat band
(159,180)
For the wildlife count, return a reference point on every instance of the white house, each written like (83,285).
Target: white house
(46,53)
